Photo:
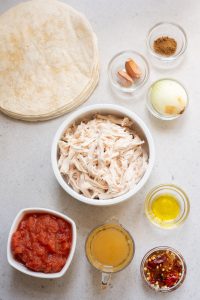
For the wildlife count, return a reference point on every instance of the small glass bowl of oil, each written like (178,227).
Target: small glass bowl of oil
(167,206)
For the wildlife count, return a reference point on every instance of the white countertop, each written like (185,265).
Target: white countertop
(26,176)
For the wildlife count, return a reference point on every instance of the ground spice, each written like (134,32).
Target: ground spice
(165,46)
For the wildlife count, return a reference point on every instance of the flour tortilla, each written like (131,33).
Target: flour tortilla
(56,113)
(49,60)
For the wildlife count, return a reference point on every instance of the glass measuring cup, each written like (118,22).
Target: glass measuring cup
(109,248)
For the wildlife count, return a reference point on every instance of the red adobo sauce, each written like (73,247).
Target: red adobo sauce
(42,242)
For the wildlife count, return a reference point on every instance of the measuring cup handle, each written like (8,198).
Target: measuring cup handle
(105,279)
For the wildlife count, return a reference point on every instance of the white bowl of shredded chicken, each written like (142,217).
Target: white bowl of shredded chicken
(102,154)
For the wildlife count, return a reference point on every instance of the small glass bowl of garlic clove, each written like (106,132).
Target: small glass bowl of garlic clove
(128,71)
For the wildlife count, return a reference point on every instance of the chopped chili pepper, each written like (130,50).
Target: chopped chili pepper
(153,263)
(171,280)
(163,269)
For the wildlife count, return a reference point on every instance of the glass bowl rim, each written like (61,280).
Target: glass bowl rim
(172,57)
(154,112)
(129,89)
(186,202)
(110,223)
(184,272)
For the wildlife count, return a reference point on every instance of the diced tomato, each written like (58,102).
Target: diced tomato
(42,242)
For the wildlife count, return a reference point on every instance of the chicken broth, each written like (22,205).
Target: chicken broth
(109,248)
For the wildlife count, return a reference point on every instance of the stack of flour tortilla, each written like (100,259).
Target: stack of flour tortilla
(49,60)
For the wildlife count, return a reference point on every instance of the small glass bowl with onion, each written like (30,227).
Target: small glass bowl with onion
(167,99)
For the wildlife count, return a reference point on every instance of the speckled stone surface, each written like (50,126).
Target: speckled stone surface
(26,176)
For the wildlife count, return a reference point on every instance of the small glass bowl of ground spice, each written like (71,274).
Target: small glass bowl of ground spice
(163,269)
(166,43)
(167,206)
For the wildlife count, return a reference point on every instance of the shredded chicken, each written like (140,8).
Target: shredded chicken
(103,157)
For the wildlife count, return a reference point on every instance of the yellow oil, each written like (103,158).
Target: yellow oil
(109,247)
(165,207)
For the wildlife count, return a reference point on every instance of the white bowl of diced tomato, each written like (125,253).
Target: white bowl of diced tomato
(41,242)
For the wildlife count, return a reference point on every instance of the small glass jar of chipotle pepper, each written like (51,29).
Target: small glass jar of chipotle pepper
(163,269)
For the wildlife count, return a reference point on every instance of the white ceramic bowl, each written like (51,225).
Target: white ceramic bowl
(19,266)
(81,113)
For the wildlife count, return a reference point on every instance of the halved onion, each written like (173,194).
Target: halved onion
(168,97)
